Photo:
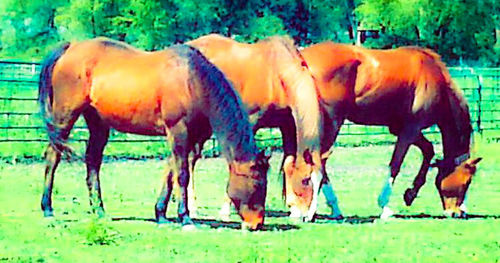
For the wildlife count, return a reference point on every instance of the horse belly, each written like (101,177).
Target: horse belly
(128,108)
(377,109)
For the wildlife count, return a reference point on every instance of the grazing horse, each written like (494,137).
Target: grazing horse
(407,89)
(175,92)
(278,90)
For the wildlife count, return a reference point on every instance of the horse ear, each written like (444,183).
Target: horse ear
(471,165)
(475,161)
(325,155)
(308,157)
(288,164)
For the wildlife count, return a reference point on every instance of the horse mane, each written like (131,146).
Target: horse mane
(461,116)
(227,114)
(459,108)
(301,88)
(108,42)
(285,41)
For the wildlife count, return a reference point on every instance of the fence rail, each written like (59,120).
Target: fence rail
(20,123)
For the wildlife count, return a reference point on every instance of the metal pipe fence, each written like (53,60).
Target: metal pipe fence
(22,132)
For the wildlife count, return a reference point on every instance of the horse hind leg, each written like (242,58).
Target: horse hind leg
(327,188)
(99,133)
(195,156)
(428,153)
(59,129)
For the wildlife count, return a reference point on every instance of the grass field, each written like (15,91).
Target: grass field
(128,234)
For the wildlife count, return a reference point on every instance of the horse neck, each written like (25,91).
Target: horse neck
(303,95)
(226,113)
(455,124)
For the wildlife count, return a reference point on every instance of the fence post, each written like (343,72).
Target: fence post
(479,100)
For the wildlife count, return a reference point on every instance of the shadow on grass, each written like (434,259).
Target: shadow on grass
(212,223)
(326,219)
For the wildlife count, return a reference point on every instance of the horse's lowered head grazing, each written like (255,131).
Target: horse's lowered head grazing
(247,189)
(303,178)
(456,177)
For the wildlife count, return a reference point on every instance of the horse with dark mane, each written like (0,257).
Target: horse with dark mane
(406,89)
(278,90)
(175,92)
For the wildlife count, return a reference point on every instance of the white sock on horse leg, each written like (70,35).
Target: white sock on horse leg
(331,199)
(385,195)
(225,210)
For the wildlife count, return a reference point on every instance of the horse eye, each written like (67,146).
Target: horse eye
(306,181)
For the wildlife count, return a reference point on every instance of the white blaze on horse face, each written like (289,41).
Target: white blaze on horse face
(316,181)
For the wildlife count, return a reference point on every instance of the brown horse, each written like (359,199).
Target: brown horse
(278,91)
(407,89)
(176,92)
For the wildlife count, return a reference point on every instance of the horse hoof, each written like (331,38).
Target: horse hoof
(463,215)
(309,218)
(48,213)
(193,214)
(463,208)
(161,220)
(337,217)
(224,218)
(386,213)
(188,227)
(100,212)
(186,220)
(409,196)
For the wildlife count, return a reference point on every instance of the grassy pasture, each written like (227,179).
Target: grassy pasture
(130,188)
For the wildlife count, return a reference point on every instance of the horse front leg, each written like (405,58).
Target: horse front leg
(183,209)
(402,145)
(427,150)
(165,193)
(179,168)
(329,135)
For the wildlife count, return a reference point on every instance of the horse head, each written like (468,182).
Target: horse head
(247,189)
(456,175)
(302,182)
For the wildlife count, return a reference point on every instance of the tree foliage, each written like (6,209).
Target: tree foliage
(456,29)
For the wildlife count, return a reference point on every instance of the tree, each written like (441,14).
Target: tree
(28,27)
(455,29)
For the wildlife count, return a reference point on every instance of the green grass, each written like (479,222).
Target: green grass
(130,189)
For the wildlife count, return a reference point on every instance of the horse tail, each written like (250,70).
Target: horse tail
(45,97)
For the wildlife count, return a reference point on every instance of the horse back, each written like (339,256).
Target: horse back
(132,90)
(248,67)
(408,75)
(334,67)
